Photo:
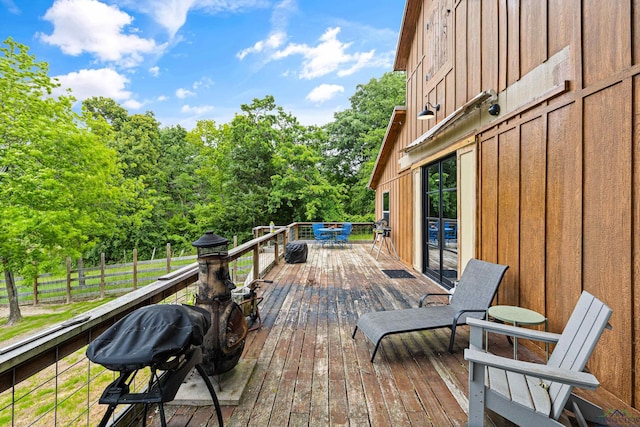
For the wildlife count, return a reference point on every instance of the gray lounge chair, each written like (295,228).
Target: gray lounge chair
(535,394)
(472,297)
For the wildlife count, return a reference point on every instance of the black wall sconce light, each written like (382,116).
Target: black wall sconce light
(494,109)
(427,114)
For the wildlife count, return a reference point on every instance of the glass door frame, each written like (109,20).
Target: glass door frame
(435,228)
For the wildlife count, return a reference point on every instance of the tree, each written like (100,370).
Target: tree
(299,191)
(98,107)
(214,145)
(178,185)
(355,137)
(136,139)
(58,182)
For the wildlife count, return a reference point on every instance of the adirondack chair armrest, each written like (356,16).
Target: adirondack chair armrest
(514,331)
(565,376)
(425,296)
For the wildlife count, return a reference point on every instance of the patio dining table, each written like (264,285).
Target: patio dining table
(333,232)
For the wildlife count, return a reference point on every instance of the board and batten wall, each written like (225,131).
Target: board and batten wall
(558,171)
(558,197)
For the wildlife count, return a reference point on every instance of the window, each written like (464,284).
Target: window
(385,206)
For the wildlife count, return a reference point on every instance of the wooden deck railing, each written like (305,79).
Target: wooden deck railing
(60,348)
(56,351)
(49,348)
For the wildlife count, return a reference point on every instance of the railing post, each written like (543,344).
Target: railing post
(102,262)
(285,239)
(234,268)
(168,257)
(256,261)
(275,251)
(135,269)
(68,280)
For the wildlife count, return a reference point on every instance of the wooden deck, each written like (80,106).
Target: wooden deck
(310,372)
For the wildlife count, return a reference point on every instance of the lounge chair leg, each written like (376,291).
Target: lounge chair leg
(453,337)
(375,350)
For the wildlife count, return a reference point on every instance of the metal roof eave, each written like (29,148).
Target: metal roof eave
(393,129)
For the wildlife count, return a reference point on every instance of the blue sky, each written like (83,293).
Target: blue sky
(187,60)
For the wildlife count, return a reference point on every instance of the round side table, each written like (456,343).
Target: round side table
(518,316)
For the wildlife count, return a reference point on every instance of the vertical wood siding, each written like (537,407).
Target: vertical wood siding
(559,185)
(532,214)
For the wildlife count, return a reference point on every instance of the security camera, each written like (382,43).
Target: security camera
(494,110)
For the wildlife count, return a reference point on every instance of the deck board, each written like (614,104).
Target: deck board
(310,372)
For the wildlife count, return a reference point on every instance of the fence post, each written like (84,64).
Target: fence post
(168,257)
(135,269)
(102,275)
(68,280)
(35,283)
(81,281)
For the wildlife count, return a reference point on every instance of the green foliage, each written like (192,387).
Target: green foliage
(108,182)
(355,137)
(58,183)
(263,166)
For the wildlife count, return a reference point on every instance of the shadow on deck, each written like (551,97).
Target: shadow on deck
(310,372)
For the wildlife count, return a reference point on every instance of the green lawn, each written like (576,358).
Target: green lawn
(55,313)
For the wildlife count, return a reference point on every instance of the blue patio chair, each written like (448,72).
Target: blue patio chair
(320,237)
(343,237)
(433,232)
(450,231)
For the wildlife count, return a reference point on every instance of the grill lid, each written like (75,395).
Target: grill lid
(150,336)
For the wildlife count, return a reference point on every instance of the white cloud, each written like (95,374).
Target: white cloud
(11,6)
(154,71)
(98,29)
(324,92)
(204,82)
(162,98)
(184,93)
(172,14)
(330,55)
(132,104)
(272,42)
(96,82)
(279,21)
(281,13)
(362,60)
(201,109)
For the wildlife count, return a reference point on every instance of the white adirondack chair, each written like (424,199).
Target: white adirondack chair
(535,394)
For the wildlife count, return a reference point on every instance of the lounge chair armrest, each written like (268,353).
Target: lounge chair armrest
(545,372)
(425,296)
(514,331)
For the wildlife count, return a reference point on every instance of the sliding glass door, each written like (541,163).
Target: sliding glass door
(440,221)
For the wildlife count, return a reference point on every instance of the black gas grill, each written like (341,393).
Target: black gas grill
(165,338)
